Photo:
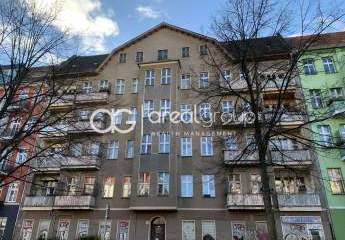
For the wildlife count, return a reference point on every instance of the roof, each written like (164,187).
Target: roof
(326,40)
(81,64)
(153,30)
(260,48)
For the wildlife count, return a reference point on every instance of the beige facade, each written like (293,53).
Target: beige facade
(176,192)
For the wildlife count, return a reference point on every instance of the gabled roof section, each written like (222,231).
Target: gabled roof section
(150,32)
(81,64)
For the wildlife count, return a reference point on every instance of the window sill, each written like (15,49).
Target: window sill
(186,156)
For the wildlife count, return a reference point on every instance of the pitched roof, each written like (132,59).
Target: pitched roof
(153,30)
(81,64)
(326,40)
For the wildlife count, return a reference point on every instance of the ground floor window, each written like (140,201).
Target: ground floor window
(104,230)
(188,230)
(123,230)
(238,230)
(3,221)
(83,228)
(63,229)
(43,229)
(208,228)
(27,228)
(302,227)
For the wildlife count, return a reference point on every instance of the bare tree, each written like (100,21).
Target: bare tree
(252,64)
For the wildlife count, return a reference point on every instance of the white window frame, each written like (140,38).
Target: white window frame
(165,107)
(146,144)
(203,230)
(233,181)
(149,77)
(126,186)
(186,82)
(130,149)
(166,76)
(186,113)
(206,146)
(309,66)
(78,228)
(113,150)
(120,87)
(316,98)
(325,133)
(186,146)
(163,183)
(164,142)
(143,185)
(118,118)
(21,155)
(12,188)
(204,80)
(135,85)
(192,237)
(336,93)
(148,107)
(109,187)
(328,65)
(227,106)
(205,111)
(103,85)
(186,186)
(208,186)
(87,87)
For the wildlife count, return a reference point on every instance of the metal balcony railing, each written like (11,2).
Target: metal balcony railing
(78,201)
(291,156)
(245,200)
(299,200)
(59,161)
(38,201)
(237,157)
(92,97)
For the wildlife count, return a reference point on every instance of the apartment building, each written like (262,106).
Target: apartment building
(16,119)
(161,180)
(323,80)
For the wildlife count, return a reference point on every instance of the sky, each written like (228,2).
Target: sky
(102,25)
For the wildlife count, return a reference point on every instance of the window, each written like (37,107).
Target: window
(166,76)
(255,183)
(113,150)
(231,143)
(227,106)
(186,186)
(205,111)
(162,54)
(325,135)
(234,184)
(185,81)
(163,183)
(27,228)
(336,93)
(126,186)
(12,192)
(108,188)
(123,57)
(203,80)
(342,131)
(316,98)
(83,228)
(21,156)
(206,146)
(84,115)
(63,229)
(144,184)
(132,117)
(123,230)
(225,77)
(43,229)
(23,97)
(103,85)
(94,149)
(186,146)
(15,125)
(104,230)
(186,113)
(336,180)
(3,221)
(139,57)
(288,185)
(328,65)
(238,230)
(87,87)
(148,107)
(76,149)
(203,50)
(146,143)
(208,229)
(135,85)
(164,142)
(309,66)
(208,188)
(165,108)
(120,87)
(188,230)
(185,52)
(130,149)
(89,185)
(149,77)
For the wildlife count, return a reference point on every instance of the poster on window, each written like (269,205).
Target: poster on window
(63,229)
(302,227)
(28,225)
(123,230)
(43,229)
(238,231)
(104,230)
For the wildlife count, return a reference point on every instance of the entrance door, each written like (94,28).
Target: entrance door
(158,229)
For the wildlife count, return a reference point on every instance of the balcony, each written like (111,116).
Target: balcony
(38,202)
(74,202)
(292,118)
(299,200)
(237,157)
(337,108)
(291,157)
(85,126)
(57,162)
(56,131)
(278,84)
(94,97)
(63,101)
(245,201)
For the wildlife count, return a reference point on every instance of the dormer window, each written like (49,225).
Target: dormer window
(123,57)
(162,54)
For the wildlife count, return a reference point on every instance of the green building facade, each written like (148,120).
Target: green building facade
(323,82)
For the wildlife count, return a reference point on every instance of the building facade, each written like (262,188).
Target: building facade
(323,80)
(160,180)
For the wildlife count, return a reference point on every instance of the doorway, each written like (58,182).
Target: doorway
(157,229)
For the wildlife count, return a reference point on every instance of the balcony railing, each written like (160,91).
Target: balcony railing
(38,201)
(278,84)
(237,201)
(92,97)
(58,130)
(62,101)
(56,162)
(85,126)
(237,157)
(299,200)
(337,108)
(291,156)
(70,202)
